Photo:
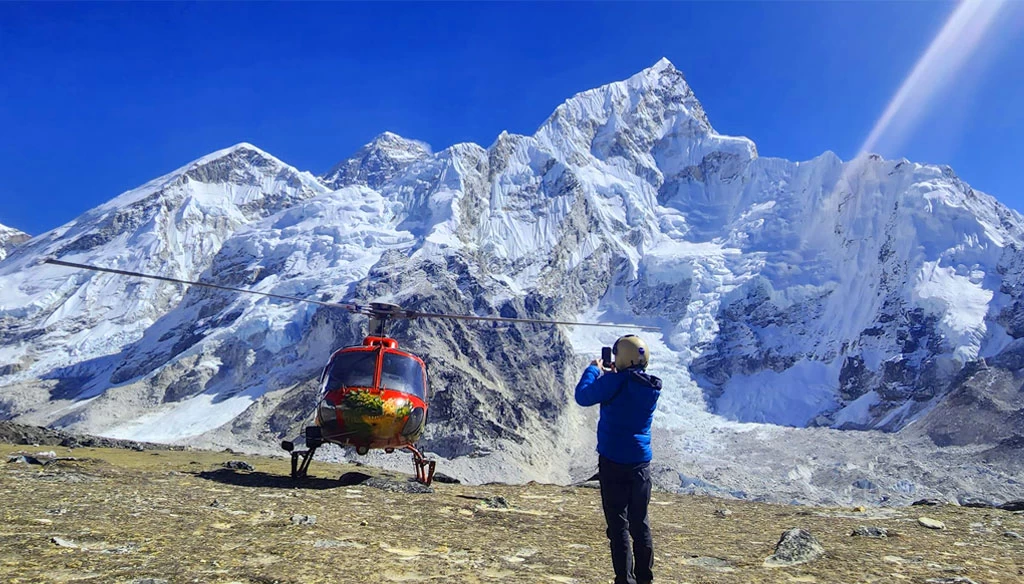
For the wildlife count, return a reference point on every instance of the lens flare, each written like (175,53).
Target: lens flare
(951,49)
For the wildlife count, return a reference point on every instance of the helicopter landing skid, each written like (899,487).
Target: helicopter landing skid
(299,468)
(424,467)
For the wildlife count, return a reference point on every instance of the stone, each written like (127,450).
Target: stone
(1017,505)
(1013,534)
(975,502)
(931,523)
(870,531)
(722,512)
(443,478)
(61,542)
(303,519)
(949,568)
(394,486)
(149,581)
(709,563)
(123,549)
(796,546)
(238,465)
(497,502)
(954,580)
(928,503)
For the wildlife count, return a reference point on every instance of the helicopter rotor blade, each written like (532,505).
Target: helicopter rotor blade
(413,314)
(374,310)
(349,307)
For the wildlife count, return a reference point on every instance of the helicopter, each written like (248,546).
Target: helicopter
(372,395)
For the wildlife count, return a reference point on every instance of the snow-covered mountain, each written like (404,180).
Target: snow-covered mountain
(857,295)
(375,164)
(10,238)
(63,325)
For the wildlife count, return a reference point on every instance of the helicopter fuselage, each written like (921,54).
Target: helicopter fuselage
(373,396)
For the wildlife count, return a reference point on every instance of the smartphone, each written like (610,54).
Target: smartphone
(606,357)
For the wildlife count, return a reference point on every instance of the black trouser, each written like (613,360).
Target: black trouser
(625,493)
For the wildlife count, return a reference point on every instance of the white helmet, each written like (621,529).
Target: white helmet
(630,352)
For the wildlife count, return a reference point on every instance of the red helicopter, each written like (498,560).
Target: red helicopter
(372,395)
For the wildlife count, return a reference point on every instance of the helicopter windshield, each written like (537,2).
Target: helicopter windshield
(402,373)
(351,369)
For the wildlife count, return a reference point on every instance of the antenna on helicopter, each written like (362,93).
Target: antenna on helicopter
(380,313)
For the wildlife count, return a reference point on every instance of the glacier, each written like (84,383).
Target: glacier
(805,307)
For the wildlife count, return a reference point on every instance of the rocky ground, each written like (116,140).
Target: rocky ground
(131,515)
(14,433)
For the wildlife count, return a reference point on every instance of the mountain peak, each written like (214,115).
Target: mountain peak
(663,76)
(662,66)
(10,238)
(376,162)
(6,231)
(241,164)
(623,115)
(397,145)
(388,138)
(242,150)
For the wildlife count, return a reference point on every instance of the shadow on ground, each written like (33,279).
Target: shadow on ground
(264,480)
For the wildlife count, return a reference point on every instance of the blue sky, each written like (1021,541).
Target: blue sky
(96,99)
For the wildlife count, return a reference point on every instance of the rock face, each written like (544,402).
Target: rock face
(625,205)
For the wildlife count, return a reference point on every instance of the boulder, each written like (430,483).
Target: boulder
(238,465)
(975,502)
(796,546)
(870,531)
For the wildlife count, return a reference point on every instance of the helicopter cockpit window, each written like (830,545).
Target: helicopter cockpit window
(353,369)
(402,373)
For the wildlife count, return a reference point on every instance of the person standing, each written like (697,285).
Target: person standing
(628,398)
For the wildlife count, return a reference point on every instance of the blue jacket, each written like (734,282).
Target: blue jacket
(628,399)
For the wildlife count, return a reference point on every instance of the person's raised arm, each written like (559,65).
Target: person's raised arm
(593,387)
